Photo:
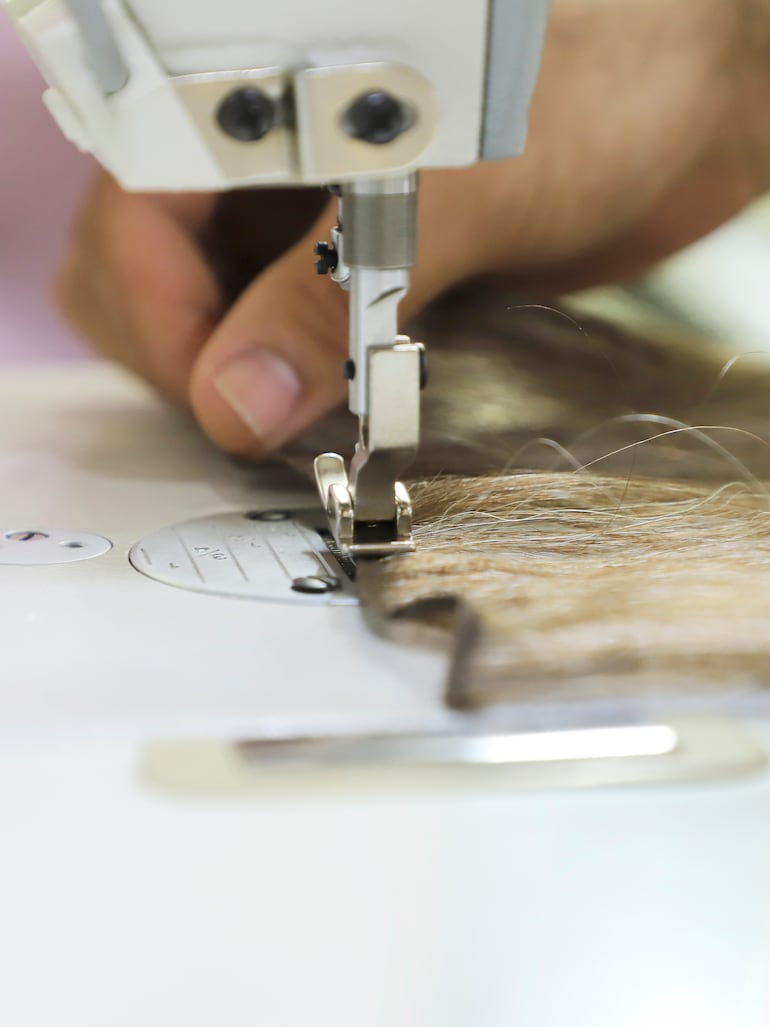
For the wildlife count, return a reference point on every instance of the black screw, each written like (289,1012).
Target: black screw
(349,370)
(376,118)
(247,114)
(327,258)
(313,585)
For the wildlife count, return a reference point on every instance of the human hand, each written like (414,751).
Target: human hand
(648,128)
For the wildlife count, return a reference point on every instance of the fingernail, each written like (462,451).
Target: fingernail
(261,388)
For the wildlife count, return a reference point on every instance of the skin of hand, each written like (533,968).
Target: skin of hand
(648,128)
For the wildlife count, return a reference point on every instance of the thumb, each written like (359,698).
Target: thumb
(273,365)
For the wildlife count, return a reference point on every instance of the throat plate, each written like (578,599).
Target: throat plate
(273,555)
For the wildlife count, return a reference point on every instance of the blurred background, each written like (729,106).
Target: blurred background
(41,178)
(719,288)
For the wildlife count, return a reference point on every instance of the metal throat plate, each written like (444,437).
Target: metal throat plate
(273,555)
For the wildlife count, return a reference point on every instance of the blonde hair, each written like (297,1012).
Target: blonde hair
(591,511)
(590,584)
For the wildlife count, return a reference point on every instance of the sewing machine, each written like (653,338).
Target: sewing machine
(192,829)
(207,97)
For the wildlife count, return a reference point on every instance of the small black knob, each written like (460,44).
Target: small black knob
(247,114)
(349,370)
(376,118)
(327,258)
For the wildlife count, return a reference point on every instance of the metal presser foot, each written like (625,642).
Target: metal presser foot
(369,510)
(370,513)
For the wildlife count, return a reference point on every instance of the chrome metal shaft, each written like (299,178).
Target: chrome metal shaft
(376,245)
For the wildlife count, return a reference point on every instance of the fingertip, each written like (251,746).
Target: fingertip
(263,390)
(273,365)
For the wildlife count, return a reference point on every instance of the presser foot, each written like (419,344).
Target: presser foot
(361,538)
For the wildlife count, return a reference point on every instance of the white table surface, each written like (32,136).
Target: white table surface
(124,903)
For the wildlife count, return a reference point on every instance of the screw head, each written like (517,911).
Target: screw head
(267,515)
(313,585)
(247,114)
(376,118)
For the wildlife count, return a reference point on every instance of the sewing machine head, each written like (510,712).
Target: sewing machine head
(199,96)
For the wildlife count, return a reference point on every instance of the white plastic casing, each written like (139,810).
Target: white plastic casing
(151,137)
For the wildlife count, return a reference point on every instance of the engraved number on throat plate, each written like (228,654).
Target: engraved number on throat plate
(273,555)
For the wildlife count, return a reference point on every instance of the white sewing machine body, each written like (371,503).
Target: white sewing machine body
(155,872)
(139,83)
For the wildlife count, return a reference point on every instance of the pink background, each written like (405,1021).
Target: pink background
(41,179)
